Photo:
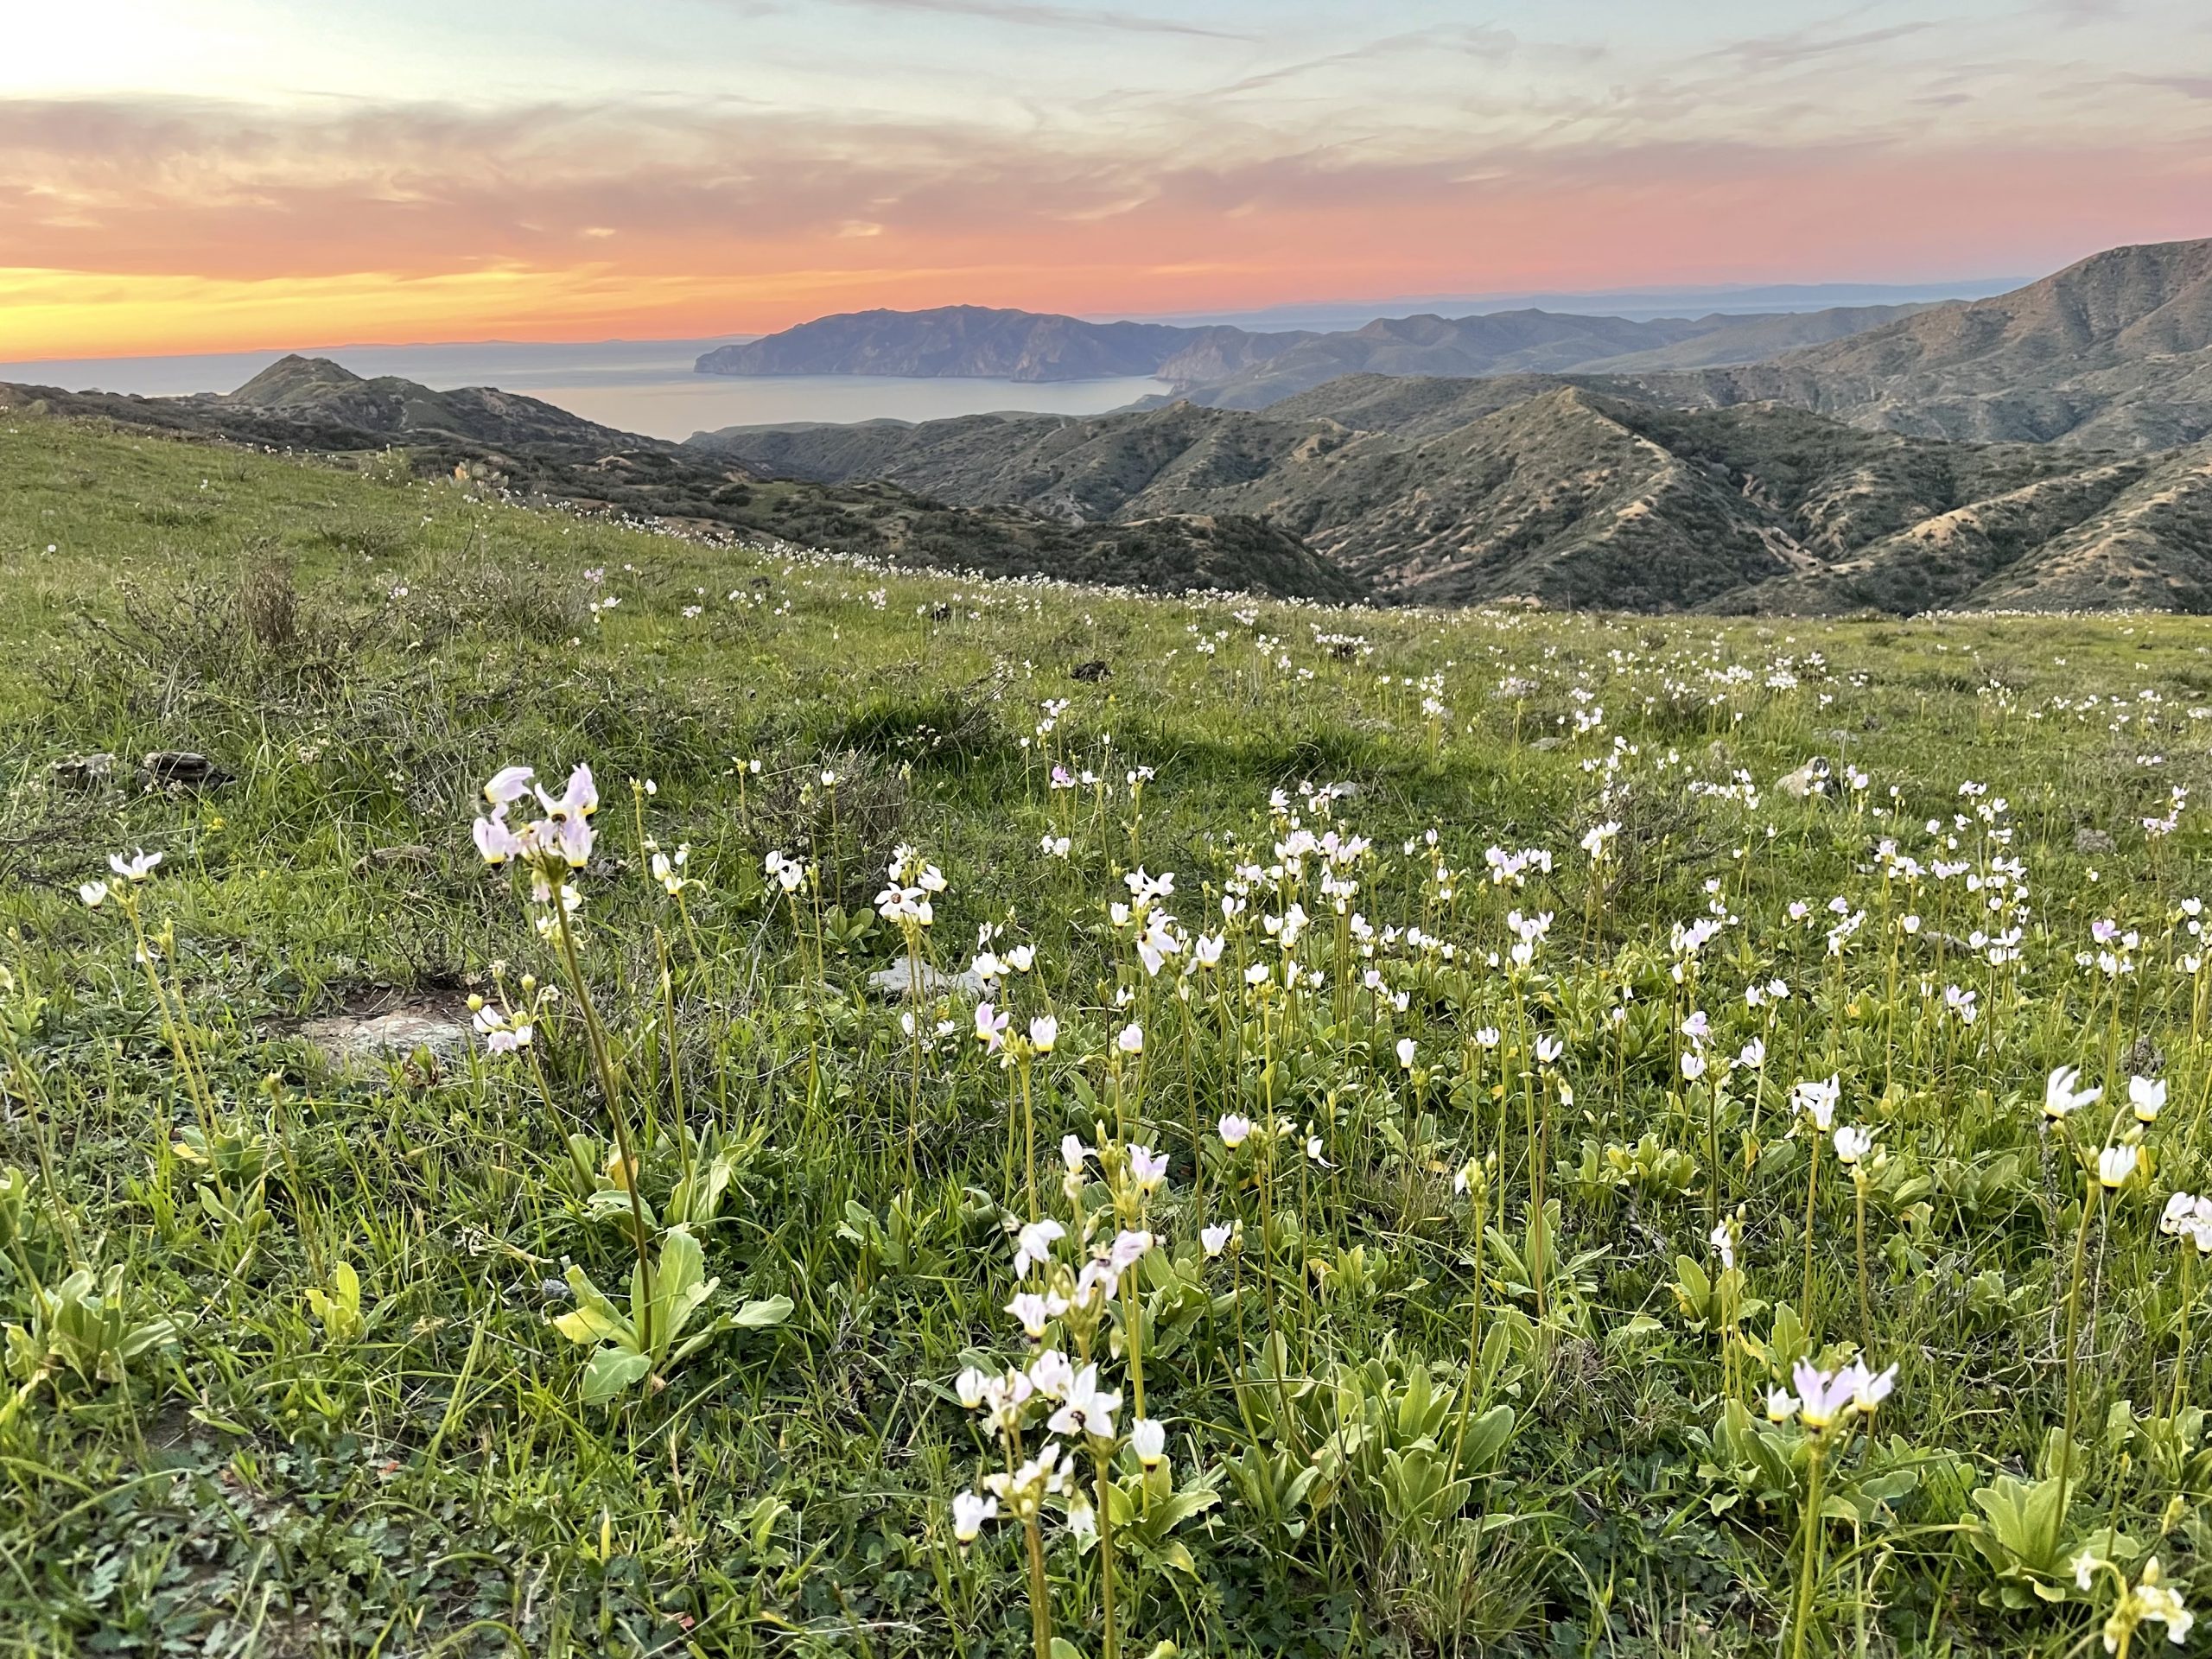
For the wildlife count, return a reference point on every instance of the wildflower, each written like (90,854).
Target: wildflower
(1098,1283)
(1131,1039)
(1148,1440)
(1781,1405)
(2148,1600)
(1753,1055)
(1034,1311)
(2115,1165)
(1073,1153)
(2061,1098)
(1034,1244)
(1050,1373)
(1817,1100)
(1025,1489)
(1044,1032)
(990,1026)
(94,893)
(1852,1142)
(508,786)
(1723,1243)
(1406,1052)
(2148,1096)
(666,870)
(1826,1397)
(1693,1065)
(578,799)
(1215,1239)
(1129,1247)
(1548,1049)
(139,866)
(1147,1168)
(1234,1128)
(1086,1408)
(1314,1152)
(970,1511)
(501,1034)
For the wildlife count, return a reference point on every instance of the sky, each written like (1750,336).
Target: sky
(227,175)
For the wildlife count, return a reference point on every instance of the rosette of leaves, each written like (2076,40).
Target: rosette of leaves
(657,1334)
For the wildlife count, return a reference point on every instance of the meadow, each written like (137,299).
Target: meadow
(1330,1133)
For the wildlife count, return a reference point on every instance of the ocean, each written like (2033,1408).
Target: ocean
(637,386)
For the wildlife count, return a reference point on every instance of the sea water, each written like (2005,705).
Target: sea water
(636,386)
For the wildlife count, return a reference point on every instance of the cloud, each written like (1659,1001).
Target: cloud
(1787,51)
(2197,87)
(437,221)
(1047,16)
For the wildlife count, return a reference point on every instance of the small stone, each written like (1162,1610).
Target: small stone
(1091,672)
(1545,745)
(85,775)
(1807,780)
(896,983)
(352,1038)
(180,769)
(2090,842)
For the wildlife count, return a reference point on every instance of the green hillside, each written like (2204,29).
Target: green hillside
(1455,1218)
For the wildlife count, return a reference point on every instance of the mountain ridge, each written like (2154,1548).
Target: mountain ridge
(534,451)
(1243,368)
(1577,492)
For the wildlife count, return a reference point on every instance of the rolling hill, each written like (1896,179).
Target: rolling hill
(533,451)
(2114,352)
(1460,492)
(1525,342)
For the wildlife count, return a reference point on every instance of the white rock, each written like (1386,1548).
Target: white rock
(350,1039)
(896,983)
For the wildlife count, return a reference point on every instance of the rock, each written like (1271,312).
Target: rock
(2087,841)
(85,775)
(1091,672)
(1545,745)
(180,769)
(895,984)
(359,1038)
(1807,780)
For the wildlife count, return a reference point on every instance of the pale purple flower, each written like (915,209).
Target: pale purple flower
(1034,1244)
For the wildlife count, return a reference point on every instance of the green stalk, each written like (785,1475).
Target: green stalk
(603,1062)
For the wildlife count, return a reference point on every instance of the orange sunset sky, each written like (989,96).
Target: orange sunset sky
(213,174)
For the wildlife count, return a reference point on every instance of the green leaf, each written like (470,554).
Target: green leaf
(758,1316)
(613,1371)
(593,1318)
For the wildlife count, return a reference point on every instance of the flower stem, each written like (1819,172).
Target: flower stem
(1808,1565)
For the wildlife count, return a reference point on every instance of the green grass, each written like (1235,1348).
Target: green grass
(272,1473)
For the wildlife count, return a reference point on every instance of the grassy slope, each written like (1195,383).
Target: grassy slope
(269,1489)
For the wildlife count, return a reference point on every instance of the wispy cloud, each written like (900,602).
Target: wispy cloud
(1333,158)
(1805,46)
(2199,87)
(1049,16)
